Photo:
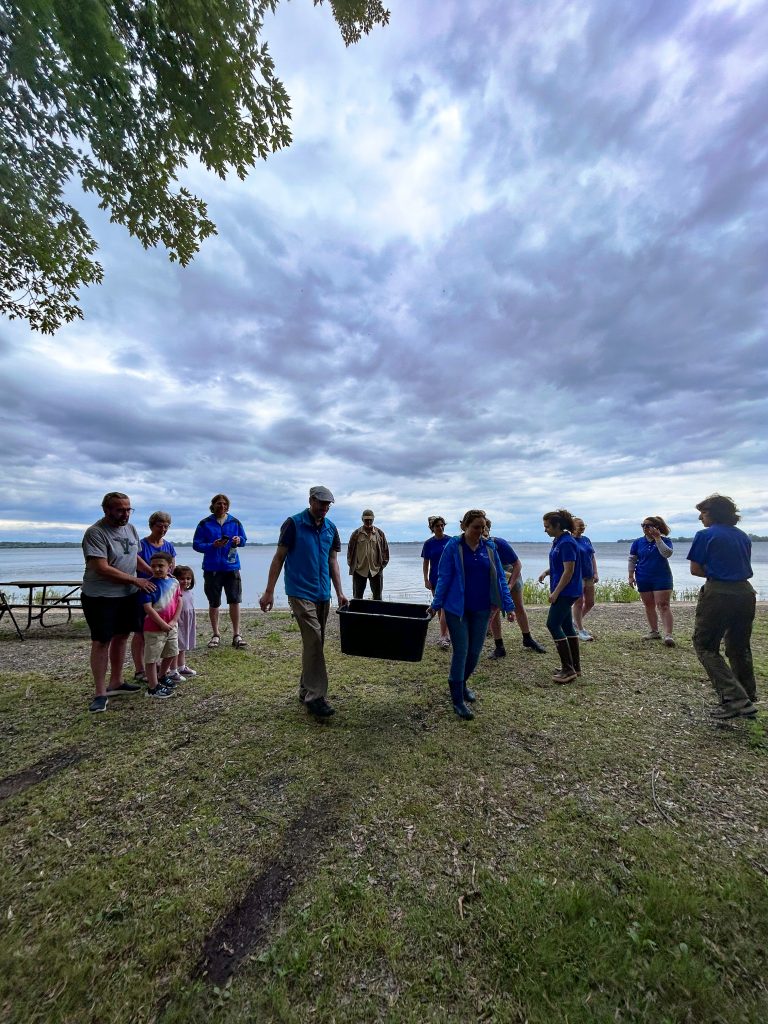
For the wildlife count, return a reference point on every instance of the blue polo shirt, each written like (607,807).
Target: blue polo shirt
(724,551)
(506,551)
(565,549)
(433,552)
(652,566)
(477,577)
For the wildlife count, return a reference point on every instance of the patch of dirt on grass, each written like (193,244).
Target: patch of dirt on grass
(246,925)
(14,784)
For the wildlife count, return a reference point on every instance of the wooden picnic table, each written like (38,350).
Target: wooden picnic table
(36,610)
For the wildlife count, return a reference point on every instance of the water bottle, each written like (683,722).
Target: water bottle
(231,554)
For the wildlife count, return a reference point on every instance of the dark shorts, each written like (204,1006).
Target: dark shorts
(229,582)
(646,584)
(108,617)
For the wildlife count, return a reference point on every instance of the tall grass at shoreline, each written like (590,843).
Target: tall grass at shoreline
(608,592)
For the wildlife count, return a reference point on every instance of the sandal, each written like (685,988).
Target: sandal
(238,643)
(215,640)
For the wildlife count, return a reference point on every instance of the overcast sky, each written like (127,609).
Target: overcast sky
(515,259)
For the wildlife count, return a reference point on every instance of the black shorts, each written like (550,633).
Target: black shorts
(108,617)
(229,582)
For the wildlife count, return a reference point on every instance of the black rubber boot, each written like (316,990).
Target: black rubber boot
(567,672)
(469,695)
(457,698)
(573,646)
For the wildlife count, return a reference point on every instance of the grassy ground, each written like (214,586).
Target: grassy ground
(595,852)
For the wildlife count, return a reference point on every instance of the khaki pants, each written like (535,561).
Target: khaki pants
(726,611)
(311,617)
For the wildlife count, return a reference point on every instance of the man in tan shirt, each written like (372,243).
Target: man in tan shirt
(367,555)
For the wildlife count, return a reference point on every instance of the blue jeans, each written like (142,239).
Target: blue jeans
(559,620)
(467,639)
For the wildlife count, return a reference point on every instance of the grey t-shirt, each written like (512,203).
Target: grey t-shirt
(120,546)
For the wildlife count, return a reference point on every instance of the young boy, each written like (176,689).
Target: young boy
(163,608)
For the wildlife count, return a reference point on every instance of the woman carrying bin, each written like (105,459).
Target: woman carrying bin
(470,584)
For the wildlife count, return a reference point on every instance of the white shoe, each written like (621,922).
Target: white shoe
(584,635)
(175,676)
(652,634)
(669,641)
(187,672)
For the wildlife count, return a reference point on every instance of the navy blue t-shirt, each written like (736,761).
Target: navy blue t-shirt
(433,550)
(506,551)
(477,577)
(565,549)
(724,551)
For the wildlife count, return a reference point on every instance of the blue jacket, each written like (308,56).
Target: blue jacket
(307,568)
(223,559)
(449,592)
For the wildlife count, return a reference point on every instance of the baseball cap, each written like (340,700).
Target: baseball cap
(367,514)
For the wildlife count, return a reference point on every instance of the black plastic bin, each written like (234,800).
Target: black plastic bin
(384,629)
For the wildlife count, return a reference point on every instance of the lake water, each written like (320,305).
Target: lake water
(403,579)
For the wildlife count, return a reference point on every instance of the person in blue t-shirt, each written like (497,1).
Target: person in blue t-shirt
(649,571)
(155,543)
(589,578)
(470,584)
(565,587)
(726,606)
(513,568)
(431,553)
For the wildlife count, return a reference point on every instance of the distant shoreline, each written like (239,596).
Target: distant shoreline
(15,544)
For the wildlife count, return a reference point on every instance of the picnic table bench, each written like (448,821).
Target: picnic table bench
(38,605)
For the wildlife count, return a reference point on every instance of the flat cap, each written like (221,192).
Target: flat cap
(367,514)
(321,493)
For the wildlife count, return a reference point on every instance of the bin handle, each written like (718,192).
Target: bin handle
(379,615)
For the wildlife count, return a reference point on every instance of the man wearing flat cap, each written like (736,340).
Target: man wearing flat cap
(367,556)
(308,547)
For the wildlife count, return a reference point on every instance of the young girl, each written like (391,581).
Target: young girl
(187,634)
(431,554)
(588,562)
(649,571)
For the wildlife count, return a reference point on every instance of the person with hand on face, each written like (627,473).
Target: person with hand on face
(513,568)
(470,585)
(308,547)
(725,609)
(649,571)
(431,553)
(588,568)
(367,557)
(565,588)
(110,585)
(218,537)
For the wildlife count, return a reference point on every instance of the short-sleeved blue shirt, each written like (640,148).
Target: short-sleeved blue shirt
(477,577)
(565,549)
(724,551)
(652,567)
(433,551)
(506,551)
(146,550)
(586,551)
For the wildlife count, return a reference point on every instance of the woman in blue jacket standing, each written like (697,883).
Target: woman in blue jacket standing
(566,587)
(470,584)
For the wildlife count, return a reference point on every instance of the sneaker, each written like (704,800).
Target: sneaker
(175,676)
(444,642)
(187,672)
(98,704)
(533,645)
(123,689)
(669,641)
(161,692)
(726,711)
(652,634)
(584,635)
(498,653)
(139,677)
(320,708)
(168,682)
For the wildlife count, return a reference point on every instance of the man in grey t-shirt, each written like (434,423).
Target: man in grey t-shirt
(110,583)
